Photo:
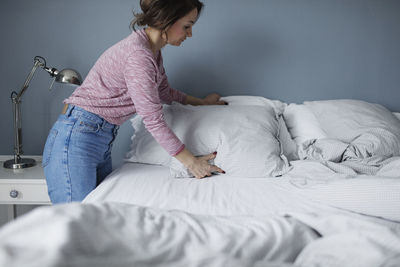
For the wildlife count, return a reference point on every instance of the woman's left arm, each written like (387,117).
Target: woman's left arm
(211,99)
(168,94)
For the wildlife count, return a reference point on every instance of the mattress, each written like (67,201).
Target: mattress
(309,187)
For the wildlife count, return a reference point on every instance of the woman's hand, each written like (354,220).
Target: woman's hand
(198,166)
(213,99)
(201,168)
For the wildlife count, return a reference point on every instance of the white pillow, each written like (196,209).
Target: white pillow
(144,148)
(335,115)
(347,119)
(244,137)
(397,115)
(288,145)
(249,100)
(302,123)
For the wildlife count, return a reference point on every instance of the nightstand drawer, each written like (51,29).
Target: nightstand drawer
(24,193)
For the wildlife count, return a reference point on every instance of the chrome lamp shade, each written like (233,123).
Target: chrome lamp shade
(67,76)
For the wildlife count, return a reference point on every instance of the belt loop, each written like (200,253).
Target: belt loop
(103,124)
(69,110)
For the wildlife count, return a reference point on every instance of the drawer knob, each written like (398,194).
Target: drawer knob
(14,193)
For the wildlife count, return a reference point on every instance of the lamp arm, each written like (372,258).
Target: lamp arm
(69,75)
(37,63)
(16,100)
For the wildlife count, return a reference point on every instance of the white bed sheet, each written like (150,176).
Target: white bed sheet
(309,187)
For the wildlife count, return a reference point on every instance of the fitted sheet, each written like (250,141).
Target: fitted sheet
(309,187)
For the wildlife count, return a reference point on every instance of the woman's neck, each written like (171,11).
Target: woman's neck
(156,41)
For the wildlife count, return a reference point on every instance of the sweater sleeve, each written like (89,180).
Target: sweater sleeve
(140,75)
(168,94)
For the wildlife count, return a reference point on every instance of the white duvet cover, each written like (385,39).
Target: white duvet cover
(126,235)
(139,216)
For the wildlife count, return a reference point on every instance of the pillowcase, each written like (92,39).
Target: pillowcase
(288,144)
(341,119)
(369,129)
(244,137)
(347,119)
(249,100)
(302,123)
(397,115)
(144,148)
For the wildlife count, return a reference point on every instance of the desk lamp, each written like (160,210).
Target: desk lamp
(67,76)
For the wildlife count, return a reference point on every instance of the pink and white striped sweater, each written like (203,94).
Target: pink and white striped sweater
(129,79)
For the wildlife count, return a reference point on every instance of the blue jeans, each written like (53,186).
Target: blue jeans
(77,154)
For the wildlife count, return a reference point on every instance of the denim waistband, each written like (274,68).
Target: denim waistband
(77,111)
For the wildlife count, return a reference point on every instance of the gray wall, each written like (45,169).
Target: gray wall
(292,50)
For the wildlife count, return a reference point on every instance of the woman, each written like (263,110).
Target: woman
(128,78)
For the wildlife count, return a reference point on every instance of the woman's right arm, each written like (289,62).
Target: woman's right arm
(139,76)
(198,166)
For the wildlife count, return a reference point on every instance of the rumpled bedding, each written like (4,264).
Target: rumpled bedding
(116,234)
(370,153)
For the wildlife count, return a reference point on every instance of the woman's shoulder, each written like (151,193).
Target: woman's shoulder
(138,40)
(134,45)
(130,50)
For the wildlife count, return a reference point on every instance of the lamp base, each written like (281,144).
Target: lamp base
(19,164)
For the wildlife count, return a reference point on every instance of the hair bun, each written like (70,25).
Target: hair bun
(141,19)
(160,14)
(145,5)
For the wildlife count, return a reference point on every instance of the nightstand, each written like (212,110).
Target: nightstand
(22,186)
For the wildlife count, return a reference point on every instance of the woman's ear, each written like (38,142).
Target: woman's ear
(164,36)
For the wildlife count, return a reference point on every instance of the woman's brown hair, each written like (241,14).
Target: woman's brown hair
(161,14)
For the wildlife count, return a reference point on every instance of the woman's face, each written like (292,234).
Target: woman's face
(182,28)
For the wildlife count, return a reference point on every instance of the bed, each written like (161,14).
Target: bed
(312,184)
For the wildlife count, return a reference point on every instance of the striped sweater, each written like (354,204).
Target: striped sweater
(129,79)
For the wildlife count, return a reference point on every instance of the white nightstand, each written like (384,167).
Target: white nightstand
(22,186)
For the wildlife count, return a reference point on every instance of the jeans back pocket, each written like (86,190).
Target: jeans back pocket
(85,125)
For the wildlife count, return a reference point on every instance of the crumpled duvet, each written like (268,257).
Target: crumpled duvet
(116,234)
(123,235)
(366,154)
